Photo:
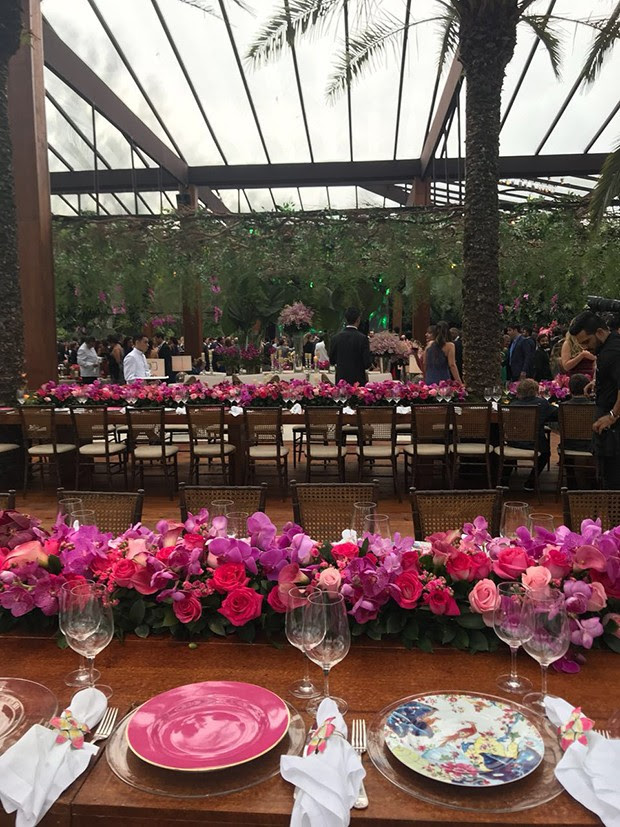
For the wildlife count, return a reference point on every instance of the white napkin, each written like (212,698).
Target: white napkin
(235,410)
(180,411)
(349,535)
(36,770)
(326,783)
(296,409)
(403,409)
(589,772)
(347,410)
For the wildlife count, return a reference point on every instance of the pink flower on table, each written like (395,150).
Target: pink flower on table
(330,580)
(407,589)
(170,531)
(188,608)
(440,599)
(613,617)
(589,557)
(484,597)
(241,605)
(30,552)
(229,576)
(345,551)
(584,631)
(274,598)
(410,561)
(18,600)
(536,578)
(511,562)
(558,560)
(123,572)
(598,600)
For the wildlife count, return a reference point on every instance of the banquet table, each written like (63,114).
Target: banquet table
(315,377)
(371,676)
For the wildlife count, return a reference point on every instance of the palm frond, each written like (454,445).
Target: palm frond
(602,44)
(449,42)
(365,49)
(295,17)
(550,39)
(607,187)
(207,7)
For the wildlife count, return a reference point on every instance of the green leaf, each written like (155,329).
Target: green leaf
(425,644)
(613,643)
(448,634)
(470,621)
(412,629)
(478,641)
(373,631)
(137,611)
(396,623)
(143,630)
(216,625)
(169,619)
(246,633)
(54,566)
(461,639)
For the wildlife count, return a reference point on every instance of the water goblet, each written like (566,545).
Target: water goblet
(81,676)
(547,636)
(220,508)
(509,625)
(514,515)
(360,511)
(237,523)
(83,516)
(67,507)
(326,638)
(85,617)
(294,627)
(488,394)
(497,393)
(538,520)
(379,525)
(21,396)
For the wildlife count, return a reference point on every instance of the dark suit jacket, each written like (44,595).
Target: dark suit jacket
(165,353)
(350,352)
(520,358)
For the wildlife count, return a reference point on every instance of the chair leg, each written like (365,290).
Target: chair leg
(308,467)
(124,463)
(26,468)
(285,487)
(558,487)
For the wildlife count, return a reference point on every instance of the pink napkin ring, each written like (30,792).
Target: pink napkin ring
(320,736)
(575,729)
(69,729)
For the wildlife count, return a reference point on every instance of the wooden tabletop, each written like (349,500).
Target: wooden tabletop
(371,676)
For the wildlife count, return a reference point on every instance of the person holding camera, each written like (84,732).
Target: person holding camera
(592,334)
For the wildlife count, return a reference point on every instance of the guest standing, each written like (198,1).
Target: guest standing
(440,357)
(115,359)
(541,368)
(88,361)
(320,351)
(135,365)
(527,394)
(575,359)
(164,352)
(519,354)
(349,350)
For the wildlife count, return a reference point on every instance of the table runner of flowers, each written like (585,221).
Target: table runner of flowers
(192,580)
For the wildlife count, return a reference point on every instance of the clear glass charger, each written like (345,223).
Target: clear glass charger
(22,704)
(535,789)
(148,778)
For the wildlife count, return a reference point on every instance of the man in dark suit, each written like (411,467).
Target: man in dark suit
(349,350)
(164,352)
(519,354)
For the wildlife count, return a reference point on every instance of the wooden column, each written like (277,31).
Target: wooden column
(32,198)
(420,196)
(192,291)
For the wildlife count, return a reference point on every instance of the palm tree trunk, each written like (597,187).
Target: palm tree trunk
(488,36)
(11,326)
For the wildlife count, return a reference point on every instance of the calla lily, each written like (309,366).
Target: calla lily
(589,557)
(31,552)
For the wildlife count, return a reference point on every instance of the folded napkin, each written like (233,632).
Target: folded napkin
(36,770)
(180,410)
(296,409)
(347,410)
(235,410)
(328,780)
(588,769)
(403,409)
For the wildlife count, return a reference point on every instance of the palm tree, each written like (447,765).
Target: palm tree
(484,33)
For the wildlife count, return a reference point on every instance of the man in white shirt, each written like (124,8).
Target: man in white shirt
(135,365)
(88,361)
(320,351)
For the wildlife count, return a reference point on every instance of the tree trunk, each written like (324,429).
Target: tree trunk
(488,34)
(11,326)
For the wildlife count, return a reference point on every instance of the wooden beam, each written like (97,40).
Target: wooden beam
(420,196)
(26,99)
(446,104)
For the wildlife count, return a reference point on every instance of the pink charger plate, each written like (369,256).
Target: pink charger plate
(208,726)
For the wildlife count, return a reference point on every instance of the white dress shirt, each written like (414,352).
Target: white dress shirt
(88,360)
(320,351)
(135,366)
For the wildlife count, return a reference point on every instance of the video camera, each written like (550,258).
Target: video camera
(598,304)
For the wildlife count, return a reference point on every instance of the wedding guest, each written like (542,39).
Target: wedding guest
(115,359)
(349,350)
(72,351)
(88,361)
(320,351)
(576,359)
(541,368)
(519,354)
(135,365)
(309,344)
(440,357)
(527,394)
(127,345)
(164,352)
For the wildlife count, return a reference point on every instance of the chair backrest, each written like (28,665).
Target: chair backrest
(90,423)
(114,511)
(205,422)
(434,511)
(146,426)
(323,510)
(323,426)
(576,421)
(519,423)
(376,425)
(430,423)
(472,421)
(250,498)
(263,426)
(584,505)
(7,500)
(38,423)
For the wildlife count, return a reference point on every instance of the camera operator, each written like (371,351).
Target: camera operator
(593,334)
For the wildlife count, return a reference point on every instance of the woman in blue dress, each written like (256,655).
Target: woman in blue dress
(440,358)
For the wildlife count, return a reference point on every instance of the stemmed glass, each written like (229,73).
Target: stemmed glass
(360,511)
(80,676)
(21,395)
(379,525)
(514,515)
(326,638)
(237,523)
(497,393)
(537,520)
(67,507)
(488,394)
(86,620)
(294,627)
(509,625)
(547,636)
(83,516)
(220,508)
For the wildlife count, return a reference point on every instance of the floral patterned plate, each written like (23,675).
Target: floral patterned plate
(464,739)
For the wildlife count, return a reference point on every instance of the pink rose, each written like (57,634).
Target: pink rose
(229,576)
(481,564)
(441,602)
(459,566)
(241,605)
(407,589)
(346,551)
(192,541)
(410,561)
(511,562)
(558,561)
(598,600)
(330,580)
(188,608)
(536,578)
(484,597)
(141,580)
(164,553)
(275,601)
(123,572)
(613,616)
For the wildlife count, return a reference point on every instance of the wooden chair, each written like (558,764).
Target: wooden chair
(434,511)
(207,440)
(43,451)
(147,444)
(431,439)
(250,498)
(591,505)
(264,442)
(575,430)
(323,510)
(518,430)
(324,443)
(472,437)
(114,512)
(376,442)
(95,437)
(7,500)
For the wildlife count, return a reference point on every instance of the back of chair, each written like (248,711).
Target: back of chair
(90,423)
(323,510)
(114,512)
(590,505)
(7,500)
(323,425)
(146,427)
(250,498)
(435,511)
(205,422)
(472,421)
(430,423)
(376,424)
(576,421)
(263,426)
(519,423)
(38,423)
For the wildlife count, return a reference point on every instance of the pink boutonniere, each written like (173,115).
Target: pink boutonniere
(575,729)
(69,729)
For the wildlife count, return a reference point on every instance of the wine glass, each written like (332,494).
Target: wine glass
(379,525)
(497,393)
(360,511)
(294,627)
(220,508)
(80,676)
(237,523)
(509,626)
(547,636)
(488,394)
(538,520)
(21,396)
(83,516)
(514,515)
(326,638)
(85,617)
(67,507)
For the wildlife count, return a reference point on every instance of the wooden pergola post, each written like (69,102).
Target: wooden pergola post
(420,196)
(192,290)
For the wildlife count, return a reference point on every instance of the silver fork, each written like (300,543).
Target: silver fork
(604,732)
(358,742)
(106,726)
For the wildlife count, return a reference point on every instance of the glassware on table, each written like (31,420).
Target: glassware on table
(294,627)
(361,510)
(509,626)
(67,507)
(497,393)
(21,396)
(83,516)
(514,515)
(237,523)
(547,636)
(326,638)
(488,394)
(379,525)
(80,676)
(85,617)
(539,520)
(220,508)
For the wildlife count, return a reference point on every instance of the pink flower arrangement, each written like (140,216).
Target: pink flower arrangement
(296,315)
(389,344)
